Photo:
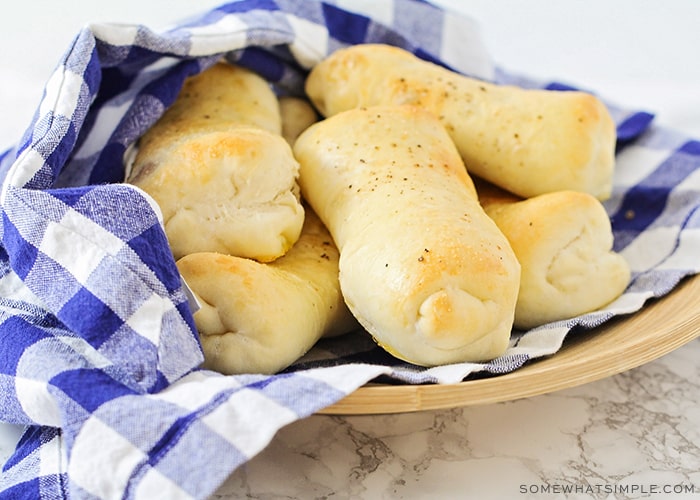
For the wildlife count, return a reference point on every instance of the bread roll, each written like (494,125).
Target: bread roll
(422,267)
(297,115)
(223,94)
(218,167)
(260,318)
(527,141)
(563,241)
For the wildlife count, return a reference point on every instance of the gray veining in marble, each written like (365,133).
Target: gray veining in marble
(625,436)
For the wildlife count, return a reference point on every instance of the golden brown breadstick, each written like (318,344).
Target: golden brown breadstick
(297,115)
(219,169)
(224,94)
(422,267)
(526,141)
(563,241)
(260,318)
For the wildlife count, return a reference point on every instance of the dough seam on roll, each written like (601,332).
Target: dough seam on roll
(261,317)
(563,241)
(219,169)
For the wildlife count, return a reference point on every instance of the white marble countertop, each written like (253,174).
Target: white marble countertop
(633,435)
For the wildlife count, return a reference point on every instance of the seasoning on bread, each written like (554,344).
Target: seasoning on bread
(422,267)
(526,141)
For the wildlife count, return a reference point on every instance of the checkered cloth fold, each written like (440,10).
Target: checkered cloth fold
(98,352)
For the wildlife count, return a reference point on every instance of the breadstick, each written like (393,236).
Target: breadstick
(224,94)
(424,270)
(297,115)
(563,241)
(219,169)
(260,318)
(526,141)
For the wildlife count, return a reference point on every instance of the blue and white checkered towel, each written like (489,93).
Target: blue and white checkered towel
(98,353)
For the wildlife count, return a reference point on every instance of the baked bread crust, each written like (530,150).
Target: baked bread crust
(526,141)
(261,317)
(297,115)
(563,241)
(424,270)
(220,171)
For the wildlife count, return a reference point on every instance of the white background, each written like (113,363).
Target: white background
(638,53)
